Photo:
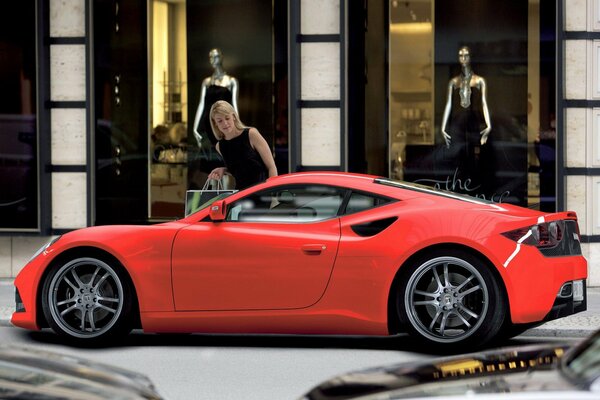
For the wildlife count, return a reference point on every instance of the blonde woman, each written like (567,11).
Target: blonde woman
(246,154)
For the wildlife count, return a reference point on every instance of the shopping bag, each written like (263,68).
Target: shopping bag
(198,199)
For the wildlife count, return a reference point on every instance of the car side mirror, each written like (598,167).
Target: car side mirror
(218,211)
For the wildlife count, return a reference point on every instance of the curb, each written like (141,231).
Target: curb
(5,314)
(558,333)
(578,325)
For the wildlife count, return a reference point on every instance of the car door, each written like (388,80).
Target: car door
(275,250)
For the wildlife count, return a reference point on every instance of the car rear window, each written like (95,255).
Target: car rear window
(431,190)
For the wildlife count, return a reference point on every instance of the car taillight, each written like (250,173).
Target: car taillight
(547,234)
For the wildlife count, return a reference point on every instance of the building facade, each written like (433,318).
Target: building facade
(107,118)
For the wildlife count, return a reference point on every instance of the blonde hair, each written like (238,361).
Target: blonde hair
(221,107)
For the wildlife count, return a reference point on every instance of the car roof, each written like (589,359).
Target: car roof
(324,175)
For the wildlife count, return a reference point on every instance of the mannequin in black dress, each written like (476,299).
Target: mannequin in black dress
(466,111)
(466,125)
(218,86)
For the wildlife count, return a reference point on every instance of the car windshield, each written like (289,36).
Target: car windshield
(583,364)
(432,190)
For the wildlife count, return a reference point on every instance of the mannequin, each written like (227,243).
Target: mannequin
(466,111)
(466,127)
(218,86)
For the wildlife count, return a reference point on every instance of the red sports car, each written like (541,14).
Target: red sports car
(315,253)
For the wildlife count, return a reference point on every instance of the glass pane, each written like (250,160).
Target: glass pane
(168,108)
(18,135)
(259,70)
(294,204)
(121,111)
(360,202)
(194,63)
(472,98)
(541,135)
(411,80)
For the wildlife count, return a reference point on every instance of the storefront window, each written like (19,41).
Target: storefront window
(471,102)
(19,208)
(168,108)
(203,51)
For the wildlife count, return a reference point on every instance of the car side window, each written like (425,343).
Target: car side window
(288,204)
(362,201)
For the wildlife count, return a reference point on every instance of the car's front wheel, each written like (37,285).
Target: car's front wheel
(88,300)
(450,299)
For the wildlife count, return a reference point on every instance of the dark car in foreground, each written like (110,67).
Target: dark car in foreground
(550,371)
(27,373)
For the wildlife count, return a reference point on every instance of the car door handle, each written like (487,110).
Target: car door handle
(313,249)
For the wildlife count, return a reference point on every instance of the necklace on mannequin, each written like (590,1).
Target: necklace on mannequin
(465,88)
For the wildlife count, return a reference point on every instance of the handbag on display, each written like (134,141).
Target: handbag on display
(198,199)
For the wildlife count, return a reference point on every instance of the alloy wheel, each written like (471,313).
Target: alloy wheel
(446,299)
(85,298)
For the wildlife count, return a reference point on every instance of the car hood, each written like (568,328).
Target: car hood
(32,374)
(112,238)
(518,369)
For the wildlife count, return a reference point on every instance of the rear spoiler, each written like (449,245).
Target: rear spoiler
(557,216)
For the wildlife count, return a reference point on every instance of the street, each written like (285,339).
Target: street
(246,366)
(234,366)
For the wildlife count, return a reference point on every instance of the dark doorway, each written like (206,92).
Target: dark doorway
(121,111)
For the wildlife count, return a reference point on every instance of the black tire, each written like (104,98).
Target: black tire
(88,300)
(450,300)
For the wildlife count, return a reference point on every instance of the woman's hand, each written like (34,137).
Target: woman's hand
(217,173)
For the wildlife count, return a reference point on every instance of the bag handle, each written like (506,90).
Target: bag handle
(208,182)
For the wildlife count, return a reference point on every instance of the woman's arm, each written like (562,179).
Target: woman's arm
(218,172)
(260,145)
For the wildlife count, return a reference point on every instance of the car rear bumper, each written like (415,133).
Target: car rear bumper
(567,304)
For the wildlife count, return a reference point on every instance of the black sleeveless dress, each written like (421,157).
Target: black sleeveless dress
(242,161)
(467,123)
(213,94)
(472,159)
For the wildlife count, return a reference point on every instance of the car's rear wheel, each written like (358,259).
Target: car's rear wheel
(88,300)
(451,300)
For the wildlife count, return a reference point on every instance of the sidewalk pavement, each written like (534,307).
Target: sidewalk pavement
(575,326)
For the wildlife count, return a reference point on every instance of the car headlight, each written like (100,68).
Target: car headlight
(44,247)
